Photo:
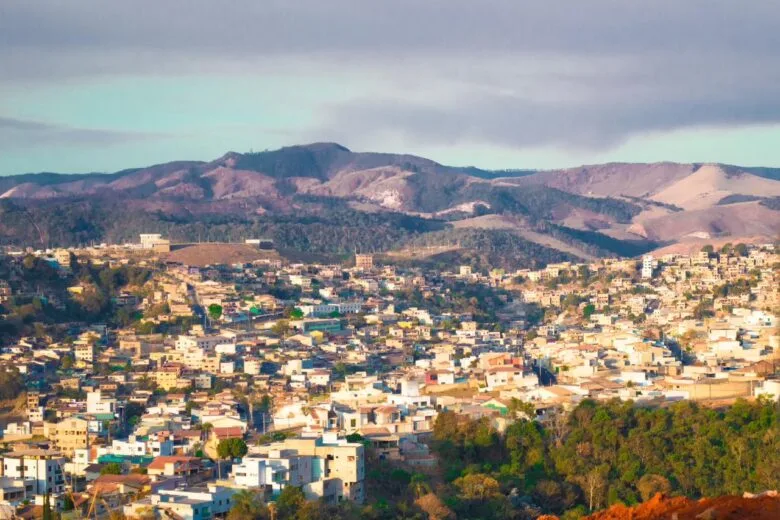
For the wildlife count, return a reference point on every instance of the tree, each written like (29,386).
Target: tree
(339,370)
(354,437)
(215,311)
(248,505)
(281,328)
(112,468)
(67,503)
(478,486)
(205,430)
(517,406)
(588,310)
(289,502)
(47,512)
(230,449)
(67,362)
(556,496)
(419,485)
(296,313)
(11,382)
(650,484)
(593,483)
(433,506)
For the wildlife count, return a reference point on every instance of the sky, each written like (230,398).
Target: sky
(95,85)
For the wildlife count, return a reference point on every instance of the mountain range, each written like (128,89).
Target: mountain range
(322,188)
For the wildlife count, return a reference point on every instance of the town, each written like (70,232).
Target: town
(137,385)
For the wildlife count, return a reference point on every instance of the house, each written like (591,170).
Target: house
(170,466)
(502,376)
(193,503)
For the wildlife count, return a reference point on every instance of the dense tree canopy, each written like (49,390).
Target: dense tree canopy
(614,452)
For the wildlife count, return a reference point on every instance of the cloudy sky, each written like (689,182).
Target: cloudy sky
(96,85)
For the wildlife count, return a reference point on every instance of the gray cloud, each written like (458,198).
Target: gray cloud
(592,109)
(521,74)
(16,133)
(282,26)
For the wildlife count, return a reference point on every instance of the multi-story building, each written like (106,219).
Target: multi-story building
(84,351)
(41,468)
(326,467)
(364,262)
(647,266)
(169,377)
(71,434)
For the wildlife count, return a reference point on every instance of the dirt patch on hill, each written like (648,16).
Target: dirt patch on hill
(681,508)
(219,254)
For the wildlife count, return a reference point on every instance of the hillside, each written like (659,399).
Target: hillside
(380,201)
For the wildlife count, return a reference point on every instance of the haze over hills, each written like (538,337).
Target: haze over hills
(588,211)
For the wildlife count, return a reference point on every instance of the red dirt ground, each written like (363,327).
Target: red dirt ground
(681,508)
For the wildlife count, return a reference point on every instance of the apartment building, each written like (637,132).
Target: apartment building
(84,351)
(364,262)
(169,377)
(71,434)
(40,468)
(334,467)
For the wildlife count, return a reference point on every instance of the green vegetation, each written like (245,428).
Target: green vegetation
(608,453)
(319,226)
(112,468)
(481,301)
(599,244)
(11,383)
(231,448)
(215,311)
(597,455)
(484,249)
(41,298)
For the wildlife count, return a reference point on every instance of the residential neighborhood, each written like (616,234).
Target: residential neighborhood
(204,382)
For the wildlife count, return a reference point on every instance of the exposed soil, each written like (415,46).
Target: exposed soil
(681,508)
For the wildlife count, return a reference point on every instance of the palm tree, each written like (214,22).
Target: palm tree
(205,430)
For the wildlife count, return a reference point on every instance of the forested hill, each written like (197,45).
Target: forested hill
(325,198)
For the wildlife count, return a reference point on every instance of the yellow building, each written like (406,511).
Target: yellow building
(70,434)
(364,262)
(169,378)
